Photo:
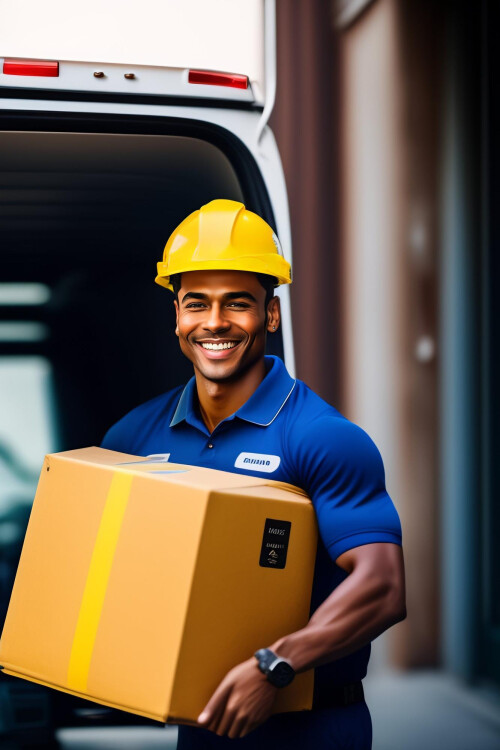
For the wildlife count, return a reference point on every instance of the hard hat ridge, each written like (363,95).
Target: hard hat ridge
(216,228)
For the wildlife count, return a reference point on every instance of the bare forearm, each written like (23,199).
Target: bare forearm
(364,605)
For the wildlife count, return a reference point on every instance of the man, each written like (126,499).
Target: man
(222,263)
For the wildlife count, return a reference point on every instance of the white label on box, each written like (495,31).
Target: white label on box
(154,458)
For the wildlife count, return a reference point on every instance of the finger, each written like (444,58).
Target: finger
(237,727)
(227,720)
(213,721)
(215,706)
(213,724)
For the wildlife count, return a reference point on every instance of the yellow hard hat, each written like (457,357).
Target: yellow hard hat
(223,235)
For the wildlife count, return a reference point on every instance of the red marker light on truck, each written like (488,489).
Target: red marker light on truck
(45,68)
(210,78)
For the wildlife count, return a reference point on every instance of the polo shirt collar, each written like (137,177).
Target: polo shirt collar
(262,407)
(186,404)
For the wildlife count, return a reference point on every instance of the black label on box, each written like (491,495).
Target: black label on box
(275,543)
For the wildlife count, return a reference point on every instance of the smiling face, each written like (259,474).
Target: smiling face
(222,322)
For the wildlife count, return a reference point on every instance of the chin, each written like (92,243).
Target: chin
(220,373)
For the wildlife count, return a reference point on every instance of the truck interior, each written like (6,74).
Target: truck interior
(86,206)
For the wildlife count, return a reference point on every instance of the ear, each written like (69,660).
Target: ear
(273,315)
(176,305)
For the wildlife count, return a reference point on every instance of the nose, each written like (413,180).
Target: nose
(216,322)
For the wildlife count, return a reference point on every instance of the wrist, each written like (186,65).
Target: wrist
(295,649)
(284,647)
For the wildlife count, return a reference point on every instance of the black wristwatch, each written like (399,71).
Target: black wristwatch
(278,671)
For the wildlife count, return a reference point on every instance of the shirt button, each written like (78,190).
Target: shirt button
(210,445)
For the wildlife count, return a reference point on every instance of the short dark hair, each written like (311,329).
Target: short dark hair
(268,282)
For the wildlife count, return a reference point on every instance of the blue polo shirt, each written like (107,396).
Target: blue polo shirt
(285,432)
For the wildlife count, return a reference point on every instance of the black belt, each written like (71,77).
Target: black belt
(343,695)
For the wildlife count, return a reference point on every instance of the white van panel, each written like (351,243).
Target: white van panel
(219,35)
(80,76)
(241,123)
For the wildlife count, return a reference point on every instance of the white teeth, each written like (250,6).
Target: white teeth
(218,347)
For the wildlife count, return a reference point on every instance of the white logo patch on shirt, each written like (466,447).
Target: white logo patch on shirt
(258,461)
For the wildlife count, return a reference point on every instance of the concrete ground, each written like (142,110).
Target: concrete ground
(431,711)
(410,711)
(111,738)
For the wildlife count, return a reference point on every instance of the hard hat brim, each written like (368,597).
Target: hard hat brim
(277,267)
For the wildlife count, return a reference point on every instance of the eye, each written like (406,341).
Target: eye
(242,305)
(195,305)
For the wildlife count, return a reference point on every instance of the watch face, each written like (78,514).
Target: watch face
(282,674)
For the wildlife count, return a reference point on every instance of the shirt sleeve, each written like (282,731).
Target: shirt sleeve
(118,438)
(341,469)
(125,436)
(132,433)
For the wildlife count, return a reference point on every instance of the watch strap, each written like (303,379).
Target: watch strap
(265,657)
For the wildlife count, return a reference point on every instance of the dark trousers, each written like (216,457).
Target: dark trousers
(346,728)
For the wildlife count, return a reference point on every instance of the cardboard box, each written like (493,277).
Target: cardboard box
(141,584)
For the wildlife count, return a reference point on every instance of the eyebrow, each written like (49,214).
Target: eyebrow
(227,296)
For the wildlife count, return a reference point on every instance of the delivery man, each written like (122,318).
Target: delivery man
(243,412)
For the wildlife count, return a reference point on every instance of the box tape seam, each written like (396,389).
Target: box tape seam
(94,592)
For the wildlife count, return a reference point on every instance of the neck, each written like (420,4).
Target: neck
(219,400)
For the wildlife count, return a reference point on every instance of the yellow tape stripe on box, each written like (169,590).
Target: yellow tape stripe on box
(97,581)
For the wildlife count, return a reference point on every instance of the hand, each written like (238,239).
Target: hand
(243,701)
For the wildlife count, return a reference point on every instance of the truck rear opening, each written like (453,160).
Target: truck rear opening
(88,215)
